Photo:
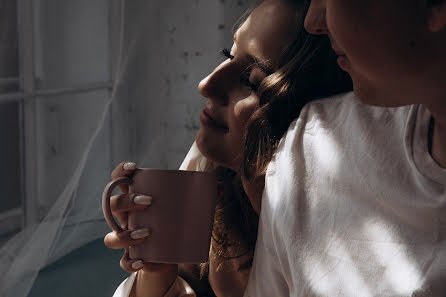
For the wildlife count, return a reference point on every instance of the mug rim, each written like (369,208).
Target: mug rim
(176,171)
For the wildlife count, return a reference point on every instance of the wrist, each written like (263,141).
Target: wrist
(158,270)
(155,279)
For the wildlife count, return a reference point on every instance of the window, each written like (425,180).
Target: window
(56,65)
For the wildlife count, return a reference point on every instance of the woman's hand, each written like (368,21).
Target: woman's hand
(120,206)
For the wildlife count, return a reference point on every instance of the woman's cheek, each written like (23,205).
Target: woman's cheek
(244,109)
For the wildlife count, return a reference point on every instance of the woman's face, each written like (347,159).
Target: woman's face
(230,89)
(380,43)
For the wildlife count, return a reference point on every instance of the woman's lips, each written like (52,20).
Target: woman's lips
(208,121)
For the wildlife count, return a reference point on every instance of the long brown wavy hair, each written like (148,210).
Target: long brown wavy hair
(308,71)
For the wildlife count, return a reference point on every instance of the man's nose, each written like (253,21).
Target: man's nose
(315,21)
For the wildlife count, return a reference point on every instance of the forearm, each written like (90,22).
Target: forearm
(154,284)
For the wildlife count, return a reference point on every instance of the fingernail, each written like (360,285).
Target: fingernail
(137,264)
(129,166)
(138,234)
(142,200)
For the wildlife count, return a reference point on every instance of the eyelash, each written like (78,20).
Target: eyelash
(244,79)
(227,53)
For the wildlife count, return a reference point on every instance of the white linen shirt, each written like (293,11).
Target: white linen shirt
(353,206)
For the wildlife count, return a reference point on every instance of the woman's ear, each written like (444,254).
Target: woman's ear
(436,15)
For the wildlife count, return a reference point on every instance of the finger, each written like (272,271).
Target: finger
(127,202)
(125,168)
(130,265)
(122,218)
(121,204)
(124,188)
(133,265)
(126,238)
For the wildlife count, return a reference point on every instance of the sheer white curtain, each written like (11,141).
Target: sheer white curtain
(100,81)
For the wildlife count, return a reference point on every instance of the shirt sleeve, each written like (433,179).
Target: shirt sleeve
(271,273)
(180,288)
(267,276)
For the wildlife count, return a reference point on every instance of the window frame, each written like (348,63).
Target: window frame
(27,96)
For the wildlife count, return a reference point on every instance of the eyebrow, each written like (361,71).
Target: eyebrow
(264,65)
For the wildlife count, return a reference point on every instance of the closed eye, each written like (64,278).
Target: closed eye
(245,81)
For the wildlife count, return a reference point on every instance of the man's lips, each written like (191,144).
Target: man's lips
(342,59)
(338,51)
(335,47)
(343,63)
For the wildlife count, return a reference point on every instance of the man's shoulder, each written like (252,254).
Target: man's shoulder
(327,110)
(345,110)
(334,100)
(342,119)
(338,107)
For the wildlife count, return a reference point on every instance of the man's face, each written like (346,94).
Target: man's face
(384,45)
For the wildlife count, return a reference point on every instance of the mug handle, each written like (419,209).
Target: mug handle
(106,202)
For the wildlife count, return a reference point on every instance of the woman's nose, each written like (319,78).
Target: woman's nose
(216,85)
(315,21)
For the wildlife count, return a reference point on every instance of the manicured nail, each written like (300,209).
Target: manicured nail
(129,166)
(138,234)
(142,200)
(137,264)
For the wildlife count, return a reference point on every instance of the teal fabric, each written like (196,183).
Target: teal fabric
(92,270)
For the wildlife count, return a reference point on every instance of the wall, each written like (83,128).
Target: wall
(168,47)
(171,45)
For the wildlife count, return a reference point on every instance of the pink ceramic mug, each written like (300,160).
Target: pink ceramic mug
(180,217)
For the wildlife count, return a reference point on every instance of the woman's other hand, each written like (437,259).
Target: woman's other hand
(120,206)
(125,168)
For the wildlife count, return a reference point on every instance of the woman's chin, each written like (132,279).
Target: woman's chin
(204,145)
(213,150)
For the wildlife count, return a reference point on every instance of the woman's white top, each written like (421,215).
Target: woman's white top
(354,206)
(180,288)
